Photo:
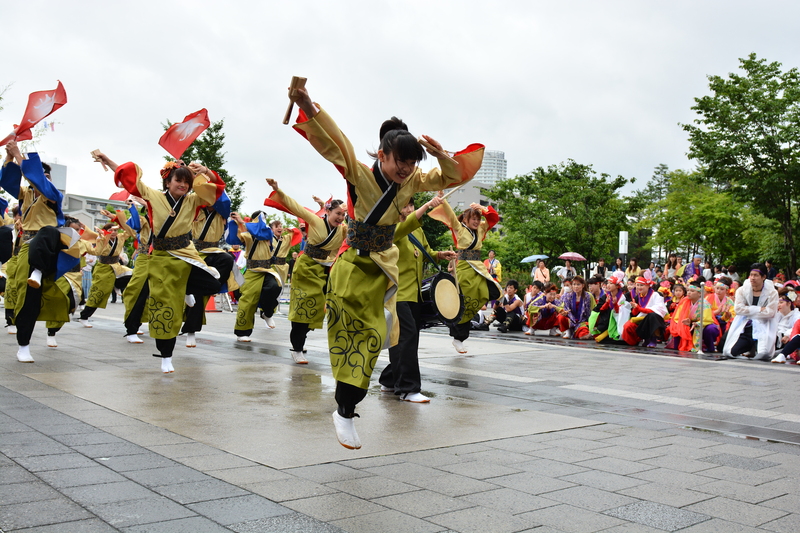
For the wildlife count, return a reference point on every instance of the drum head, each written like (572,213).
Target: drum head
(448,299)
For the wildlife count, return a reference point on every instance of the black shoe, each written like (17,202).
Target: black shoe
(502,328)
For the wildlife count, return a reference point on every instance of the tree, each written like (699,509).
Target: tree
(560,208)
(748,135)
(208,149)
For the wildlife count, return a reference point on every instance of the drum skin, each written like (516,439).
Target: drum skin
(441,302)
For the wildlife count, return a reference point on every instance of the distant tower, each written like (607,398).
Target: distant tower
(494,167)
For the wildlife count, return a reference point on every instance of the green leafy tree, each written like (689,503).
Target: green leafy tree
(208,149)
(748,136)
(565,207)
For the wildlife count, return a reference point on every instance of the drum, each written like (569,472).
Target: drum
(442,302)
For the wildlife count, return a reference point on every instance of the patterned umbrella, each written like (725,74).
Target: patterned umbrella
(572,256)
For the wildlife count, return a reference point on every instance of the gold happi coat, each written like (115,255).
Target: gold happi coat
(362,290)
(317,228)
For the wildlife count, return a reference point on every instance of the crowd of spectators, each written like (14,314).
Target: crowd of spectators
(686,306)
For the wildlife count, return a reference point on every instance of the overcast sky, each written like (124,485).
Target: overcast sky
(603,83)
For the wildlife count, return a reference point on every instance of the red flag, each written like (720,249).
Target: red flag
(179,136)
(120,196)
(41,104)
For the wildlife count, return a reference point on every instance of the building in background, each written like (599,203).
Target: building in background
(493,169)
(87,209)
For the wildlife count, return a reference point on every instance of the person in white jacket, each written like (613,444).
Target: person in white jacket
(753,332)
(787,316)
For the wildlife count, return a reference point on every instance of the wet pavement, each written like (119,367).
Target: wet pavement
(522,434)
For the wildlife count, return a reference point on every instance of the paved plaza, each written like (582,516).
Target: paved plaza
(523,434)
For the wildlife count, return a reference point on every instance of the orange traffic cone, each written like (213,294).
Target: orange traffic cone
(211,306)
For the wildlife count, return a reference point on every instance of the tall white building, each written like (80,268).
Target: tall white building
(494,167)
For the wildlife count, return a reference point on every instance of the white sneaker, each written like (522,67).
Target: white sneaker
(190,301)
(133,339)
(780,358)
(415,397)
(243,339)
(51,341)
(191,342)
(384,388)
(166,365)
(346,431)
(24,354)
(554,332)
(140,332)
(298,357)
(269,321)
(459,346)
(35,280)
(85,323)
(565,335)
(12,330)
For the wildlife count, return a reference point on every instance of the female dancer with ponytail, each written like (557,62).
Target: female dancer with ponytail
(175,269)
(362,318)
(310,274)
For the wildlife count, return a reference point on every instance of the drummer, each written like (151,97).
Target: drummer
(401,376)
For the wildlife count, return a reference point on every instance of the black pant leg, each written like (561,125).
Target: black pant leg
(404,357)
(134,319)
(298,336)
(165,347)
(87,312)
(347,397)
(460,332)
(745,341)
(202,283)
(43,250)
(791,346)
(26,318)
(270,292)
(194,316)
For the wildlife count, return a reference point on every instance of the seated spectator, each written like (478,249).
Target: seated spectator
(678,294)
(508,310)
(601,269)
(573,320)
(630,286)
(721,303)
(693,269)
(541,272)
(787,316)
(659,275)
(718,272)
(633,270)
(733,274)
(788,353)
(647,316)
(672,265)
(566,288)
(532,292)
(493,267)
(708,273)
(618,265)
(543,312)
(610,314)
(679,267)
(686,323)
(753,330)
(771,271)
(595,287)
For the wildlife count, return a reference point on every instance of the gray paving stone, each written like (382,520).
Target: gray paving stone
(657,515)
(421,503)
(99,494)
(389,520)
(405,472)
(111,449)
(380,460)
(480,469)
(198,491)
(168,475)
(481,520)
(74,477)
(371,487)
(787,524)
(249,474)
(748,477)
(740,450)
(454,485)
(32,449)
(531,483)
(736,511)
(41,463)
(549,468)
(180,450)
(238,509)
(666,494)
(193,524)
(673,477)
(216,461)
(31,491)
(331,507)
(630,527)
(716,525)
(603,480)
(289,523)
(139,461)
(788,502)
(501,457)
(40,513)
(630,454)
(571,519)
(740,491)
(90,525)
(508,500)
(683,464)
(590,498)
(142,511)
(434,458)
(93,437)
(615,466)
(326,473)
(737,461)
(565,455)
(291,488)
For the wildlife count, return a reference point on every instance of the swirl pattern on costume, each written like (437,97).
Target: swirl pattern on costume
(161,316)
(471,306)
(96,296)
(303,305)
(241,320)
(355,346)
